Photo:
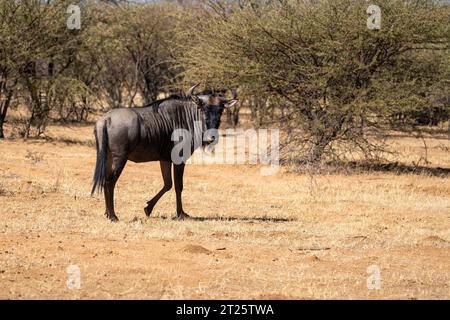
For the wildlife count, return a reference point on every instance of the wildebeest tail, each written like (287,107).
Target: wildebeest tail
(101,142)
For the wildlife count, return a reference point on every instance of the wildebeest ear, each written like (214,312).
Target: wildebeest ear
(230,103)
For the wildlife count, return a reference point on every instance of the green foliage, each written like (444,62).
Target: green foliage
(310,67)
(38,50)
(337,77)
(120,53)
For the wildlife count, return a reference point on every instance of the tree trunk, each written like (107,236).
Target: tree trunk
(262,111)
(28,127)
(229,118)
(449,127)
(3,110)
(2,135)
(253,110)
(235,116)
(315,153)
(323,138)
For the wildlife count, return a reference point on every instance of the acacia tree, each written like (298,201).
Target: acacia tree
(121,51)
(335,78)
(10,61)
(149,43)
(137,51)
(37,52)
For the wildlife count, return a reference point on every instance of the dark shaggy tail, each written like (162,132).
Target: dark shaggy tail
(99,179)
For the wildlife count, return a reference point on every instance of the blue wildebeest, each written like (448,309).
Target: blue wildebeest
(146,134)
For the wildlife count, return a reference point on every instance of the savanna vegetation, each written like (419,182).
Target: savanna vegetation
(312,68)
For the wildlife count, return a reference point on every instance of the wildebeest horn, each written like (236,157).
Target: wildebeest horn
(191,90)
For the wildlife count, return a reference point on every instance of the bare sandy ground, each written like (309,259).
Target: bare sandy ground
(287,236)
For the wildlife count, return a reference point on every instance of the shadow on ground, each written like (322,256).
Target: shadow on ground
(245,219)
(359,167)
(399,168)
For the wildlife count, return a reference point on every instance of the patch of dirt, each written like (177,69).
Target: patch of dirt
(434,240)
(312,258)
(274,297)
(192,248)
(318,244)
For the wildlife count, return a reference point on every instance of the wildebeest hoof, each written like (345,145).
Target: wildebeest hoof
(148,210)
(113,218)
(182,216)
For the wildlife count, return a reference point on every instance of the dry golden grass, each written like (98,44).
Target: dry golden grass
(291,236)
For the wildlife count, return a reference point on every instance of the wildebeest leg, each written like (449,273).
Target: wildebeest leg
(115,167)
(166,166)
(178,171)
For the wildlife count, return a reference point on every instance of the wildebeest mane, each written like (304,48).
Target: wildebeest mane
(181,97)
(160,118)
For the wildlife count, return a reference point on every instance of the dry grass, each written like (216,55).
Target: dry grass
(287,236)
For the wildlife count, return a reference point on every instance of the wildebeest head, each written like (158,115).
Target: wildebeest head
(212,105)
